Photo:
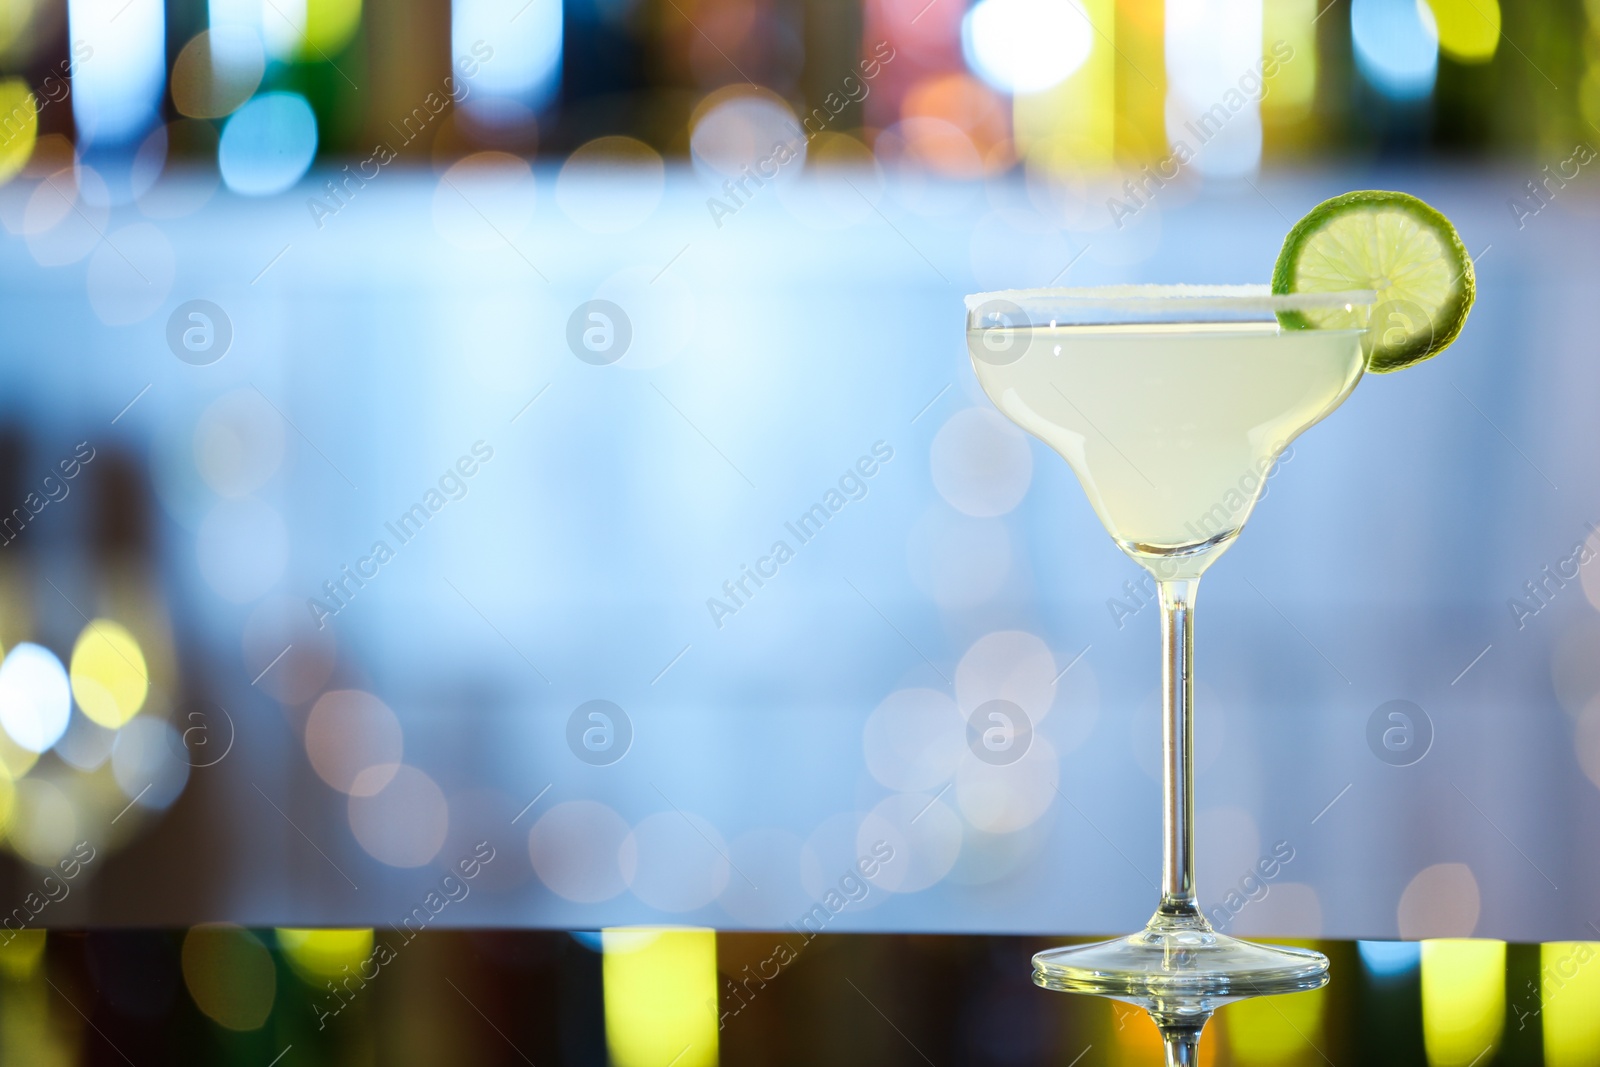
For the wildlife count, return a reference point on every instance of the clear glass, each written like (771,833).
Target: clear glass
(1171,403)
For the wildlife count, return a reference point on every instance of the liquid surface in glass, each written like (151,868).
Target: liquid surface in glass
(1171,428)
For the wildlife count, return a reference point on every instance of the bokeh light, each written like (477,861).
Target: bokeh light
(1440,901)
(674,861)
(321,954)
(16,145)
(44,821)
(611,184)
(1274,1031)
(512,48)
(1389,959)
(1214,55)
(404,823)
(20,954)
(484,201)
(1023,46)
(923,833)
(230,975)
(146,763)
(741,130)
(914,740)
(981,463)
(109,678)
(66,215)
(329,27)
(574,848)
(239,442)
(35,696)
(657,985)
(217,71)
(1463,1000)
(1569,994)
(963,102)
(1009,665)
(1005,798)
(354,741)
(268,144)
(120,51)
(1396,46)
(1469,30)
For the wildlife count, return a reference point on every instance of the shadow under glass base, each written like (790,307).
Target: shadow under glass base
(1179,958)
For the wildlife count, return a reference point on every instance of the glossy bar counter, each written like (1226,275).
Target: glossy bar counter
(685,996)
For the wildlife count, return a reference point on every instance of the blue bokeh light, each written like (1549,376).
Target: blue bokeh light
(1396,46)
(268,144)
(1389,959)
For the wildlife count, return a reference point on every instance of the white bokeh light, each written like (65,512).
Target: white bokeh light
(574,847)
(35,697)
(914,740)
(981,463)
(674,861)
(1024,46)
(145,763)
(924,834)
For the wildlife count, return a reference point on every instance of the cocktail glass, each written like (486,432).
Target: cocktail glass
(1171,403)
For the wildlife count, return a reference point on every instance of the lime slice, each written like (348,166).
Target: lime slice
(1394,244)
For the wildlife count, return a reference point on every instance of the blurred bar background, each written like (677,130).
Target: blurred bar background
(579,329)
(1077,85)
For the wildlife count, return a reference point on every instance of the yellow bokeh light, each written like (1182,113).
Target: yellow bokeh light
(8,798)
(16,760)
(318,955)
(230,975)
(1569,996)
(1469,30)
(109,677)
(329,26)
(20,952)
(1289,93)
(660,996)
(1268,1031)
(19,126)
(1070,127)
(1463,999)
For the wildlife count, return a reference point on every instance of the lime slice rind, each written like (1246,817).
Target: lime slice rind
(1392,243)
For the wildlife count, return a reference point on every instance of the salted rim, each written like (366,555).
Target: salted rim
(1188,297)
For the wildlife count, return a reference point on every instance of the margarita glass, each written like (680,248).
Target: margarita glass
(1171,403)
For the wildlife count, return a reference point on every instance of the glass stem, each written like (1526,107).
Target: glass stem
(1182,1045)
(1178,902)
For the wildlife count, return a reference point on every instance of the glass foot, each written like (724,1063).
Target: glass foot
(1179,959)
